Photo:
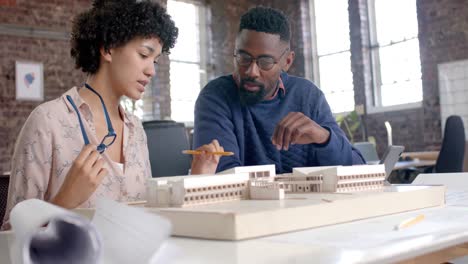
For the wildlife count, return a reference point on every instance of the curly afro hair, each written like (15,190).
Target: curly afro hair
(113,23)
(267,20)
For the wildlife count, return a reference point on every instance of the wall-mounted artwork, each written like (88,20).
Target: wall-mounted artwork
(29,81)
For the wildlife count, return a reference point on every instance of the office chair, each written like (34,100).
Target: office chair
(368,151)
(4,181)
(166,140)
(452,152)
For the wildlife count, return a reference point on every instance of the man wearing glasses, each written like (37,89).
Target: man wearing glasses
(264,115)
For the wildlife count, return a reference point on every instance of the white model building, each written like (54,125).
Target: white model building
(298,183)
(182,191)
(255,172)
(346,178)
(261,183)
(266,190)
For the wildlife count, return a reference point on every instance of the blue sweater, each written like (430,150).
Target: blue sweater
(247,130)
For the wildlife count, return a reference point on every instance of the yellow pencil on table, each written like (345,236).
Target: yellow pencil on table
(142,202)
(409,222)
(197,152)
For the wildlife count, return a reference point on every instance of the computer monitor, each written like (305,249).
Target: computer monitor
(390,158)
(166,141)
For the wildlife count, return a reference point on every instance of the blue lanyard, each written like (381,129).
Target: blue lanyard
(108,139)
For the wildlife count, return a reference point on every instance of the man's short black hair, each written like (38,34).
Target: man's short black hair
(113,23)
(267,20)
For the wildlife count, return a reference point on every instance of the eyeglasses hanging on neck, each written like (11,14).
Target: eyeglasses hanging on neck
(108,139)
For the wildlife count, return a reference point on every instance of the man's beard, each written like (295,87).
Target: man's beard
(250,98)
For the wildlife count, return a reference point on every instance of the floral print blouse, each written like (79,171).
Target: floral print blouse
(51,139)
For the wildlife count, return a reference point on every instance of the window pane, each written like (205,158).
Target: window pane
(185,15)
(134,107)
(395,20)
(332,26)
(185,67)
(400,62)
(400,73)
(182,111)
(409,91)
(184,90)
(336,81)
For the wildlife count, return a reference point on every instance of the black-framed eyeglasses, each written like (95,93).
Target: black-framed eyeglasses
(108,139)
(265,63)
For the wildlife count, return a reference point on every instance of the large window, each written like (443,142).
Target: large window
(331,53)
(395,54)
(187,58)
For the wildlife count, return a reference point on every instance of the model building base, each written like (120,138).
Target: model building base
(244,219)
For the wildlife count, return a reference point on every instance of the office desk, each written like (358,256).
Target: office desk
(423,155)
(442,236)
(400,165)
(366,241)
(419,159)
(356,242)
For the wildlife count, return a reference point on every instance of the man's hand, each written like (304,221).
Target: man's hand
(206,163)
(297,128)
(83,178)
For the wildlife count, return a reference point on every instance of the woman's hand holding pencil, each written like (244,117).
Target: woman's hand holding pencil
(199,152)
(206,158)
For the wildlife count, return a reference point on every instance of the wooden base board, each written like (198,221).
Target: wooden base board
(245,219)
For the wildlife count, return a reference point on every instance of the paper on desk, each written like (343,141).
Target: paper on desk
(117,234)
(129,234)
(456,183)
(450,180)
(67,237)
(456,197)
(378,233)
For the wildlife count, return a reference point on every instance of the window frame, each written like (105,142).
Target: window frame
(375,104)
(204,48)
(314,73)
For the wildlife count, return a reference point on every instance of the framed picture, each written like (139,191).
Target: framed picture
(29,81)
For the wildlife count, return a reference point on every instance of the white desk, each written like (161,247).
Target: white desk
(355,242)
(365,241)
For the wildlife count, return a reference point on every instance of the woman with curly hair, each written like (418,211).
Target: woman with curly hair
(83,145)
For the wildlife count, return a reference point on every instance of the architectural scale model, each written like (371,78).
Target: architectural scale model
(266,190)
(255,172)
(261,183)
(180,191)
(343,178)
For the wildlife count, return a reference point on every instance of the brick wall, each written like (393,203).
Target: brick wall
(443,29)
(59,72)
(50,14)
(53,16)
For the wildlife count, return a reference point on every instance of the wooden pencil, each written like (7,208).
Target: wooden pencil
(197,152)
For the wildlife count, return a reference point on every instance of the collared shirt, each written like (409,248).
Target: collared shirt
(50,141)
(280,86)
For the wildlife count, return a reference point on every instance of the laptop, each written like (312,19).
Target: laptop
(390,158)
